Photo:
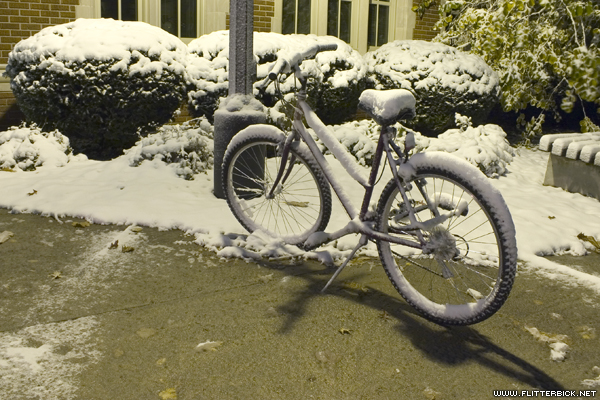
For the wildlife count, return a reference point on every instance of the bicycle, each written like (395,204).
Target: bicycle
(444,234)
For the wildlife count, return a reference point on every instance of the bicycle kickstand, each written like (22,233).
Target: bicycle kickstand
(363,240)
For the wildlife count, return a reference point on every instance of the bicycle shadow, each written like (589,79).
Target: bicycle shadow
(450,346)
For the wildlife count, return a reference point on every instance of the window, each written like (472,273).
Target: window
(179,17)
(338,19)
(125,10)
(296,16)
(379,17)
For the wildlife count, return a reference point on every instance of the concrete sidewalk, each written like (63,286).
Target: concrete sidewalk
(82,320)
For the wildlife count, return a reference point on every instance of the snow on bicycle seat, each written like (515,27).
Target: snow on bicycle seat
(387,106)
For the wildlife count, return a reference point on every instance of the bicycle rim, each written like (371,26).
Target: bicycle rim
(463,274)
(297,208)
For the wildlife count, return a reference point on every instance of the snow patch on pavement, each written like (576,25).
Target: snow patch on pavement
(44,361)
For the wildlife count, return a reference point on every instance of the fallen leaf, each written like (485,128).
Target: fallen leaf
(589,239)
(83,224)
(145,333)
(344,331)
(55,275)
(551,217)
(168,394)
(32,193)
(4,236)
(127,249)
(385,316)
(301,204)
(586,332)
(431,394)
(208,346)
(136,229)
(356,286)
(362,259)
(266,278)
(114,245)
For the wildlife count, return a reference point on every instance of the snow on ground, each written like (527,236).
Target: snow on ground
(153,193)
(547,219)
(42,361)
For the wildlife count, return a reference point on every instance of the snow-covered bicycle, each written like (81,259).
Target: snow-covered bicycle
(444,234)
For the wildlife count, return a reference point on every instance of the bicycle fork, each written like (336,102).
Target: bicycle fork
(409,145)
(281,175)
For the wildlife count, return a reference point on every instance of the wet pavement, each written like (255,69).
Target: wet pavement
(106,312)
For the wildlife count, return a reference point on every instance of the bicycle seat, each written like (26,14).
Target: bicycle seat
(387,106)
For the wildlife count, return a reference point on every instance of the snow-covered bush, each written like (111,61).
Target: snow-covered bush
(359,138)
(24,148)
(336,78)
(100,82)
(444,80)
(547,52)
(189,147)
(484,146)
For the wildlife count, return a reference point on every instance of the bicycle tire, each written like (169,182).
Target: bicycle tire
(447,286)
(301,205)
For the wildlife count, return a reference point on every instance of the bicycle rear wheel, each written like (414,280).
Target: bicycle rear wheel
(465,271)
(301,204)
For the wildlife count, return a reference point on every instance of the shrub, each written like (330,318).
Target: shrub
(547,52)
(24,148)
(358,137)
(188,147)
(100,82)
(484,146)
(335,78)
(444,80)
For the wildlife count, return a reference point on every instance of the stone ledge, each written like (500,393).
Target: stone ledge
(575,146)
(573,175)
(574,162)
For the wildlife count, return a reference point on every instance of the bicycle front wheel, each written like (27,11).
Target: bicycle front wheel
(301,203)
(465,270)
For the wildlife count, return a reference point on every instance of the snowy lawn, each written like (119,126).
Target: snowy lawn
(154,194)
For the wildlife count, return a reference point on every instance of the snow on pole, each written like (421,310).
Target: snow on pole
(242,74)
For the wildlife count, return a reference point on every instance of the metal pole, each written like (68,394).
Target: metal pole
(242,74)
(242,69)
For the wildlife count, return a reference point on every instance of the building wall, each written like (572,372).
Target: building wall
(424,26)
(264,12)
(19,20)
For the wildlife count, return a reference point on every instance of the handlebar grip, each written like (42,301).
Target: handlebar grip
(282,63)
(279,66)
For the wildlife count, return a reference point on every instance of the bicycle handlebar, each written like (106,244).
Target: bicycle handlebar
(284,62)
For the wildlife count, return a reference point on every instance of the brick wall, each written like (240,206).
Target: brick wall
(424,26)
(264,11)
(19,20)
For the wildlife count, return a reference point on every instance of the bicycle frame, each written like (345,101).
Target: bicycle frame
(359,222)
